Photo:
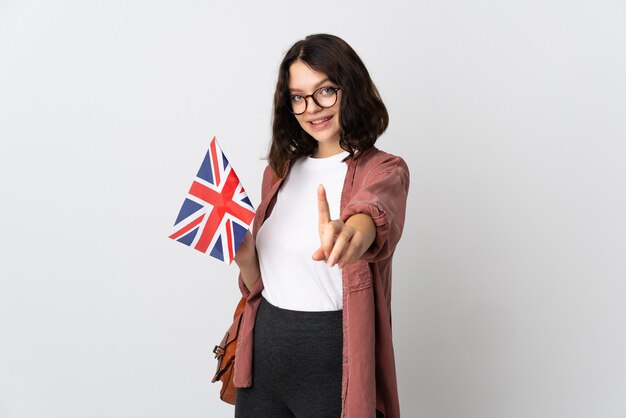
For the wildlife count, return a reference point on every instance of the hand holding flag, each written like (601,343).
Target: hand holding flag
(216,213)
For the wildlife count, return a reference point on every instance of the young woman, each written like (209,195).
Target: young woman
(316,335)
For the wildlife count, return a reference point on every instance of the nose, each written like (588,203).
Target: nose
(311,105)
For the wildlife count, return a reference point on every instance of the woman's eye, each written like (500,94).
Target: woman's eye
(328,91)
(296,99)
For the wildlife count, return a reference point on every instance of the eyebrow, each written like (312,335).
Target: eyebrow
(326,80)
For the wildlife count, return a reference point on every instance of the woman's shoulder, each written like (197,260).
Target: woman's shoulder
(269,178)
(268,172)
(379,160)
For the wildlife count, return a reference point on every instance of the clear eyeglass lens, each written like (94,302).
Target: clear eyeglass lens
(298,106)
(325,97)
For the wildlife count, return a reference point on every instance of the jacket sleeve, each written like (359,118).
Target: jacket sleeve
(383,196)
(268,176)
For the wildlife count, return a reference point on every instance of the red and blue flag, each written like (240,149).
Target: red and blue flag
(216,213)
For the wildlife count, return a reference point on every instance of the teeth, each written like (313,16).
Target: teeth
(317,122)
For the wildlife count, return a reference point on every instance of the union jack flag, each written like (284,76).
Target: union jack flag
(216,213)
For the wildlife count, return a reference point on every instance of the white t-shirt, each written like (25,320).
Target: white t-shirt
(287,239)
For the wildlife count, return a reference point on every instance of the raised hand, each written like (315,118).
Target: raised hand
(342,243)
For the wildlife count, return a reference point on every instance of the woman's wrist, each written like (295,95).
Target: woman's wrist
(364,224)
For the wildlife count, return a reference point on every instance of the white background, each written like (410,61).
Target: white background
(510,280)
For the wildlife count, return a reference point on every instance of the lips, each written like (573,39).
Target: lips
(320,121)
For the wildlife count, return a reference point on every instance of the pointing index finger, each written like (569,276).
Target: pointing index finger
(322,205)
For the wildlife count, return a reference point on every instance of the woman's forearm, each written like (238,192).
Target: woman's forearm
(248,261)
(250,273)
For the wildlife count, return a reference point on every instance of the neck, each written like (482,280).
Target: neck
(327,149)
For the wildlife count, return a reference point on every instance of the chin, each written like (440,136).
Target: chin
(326,137)
(323,138)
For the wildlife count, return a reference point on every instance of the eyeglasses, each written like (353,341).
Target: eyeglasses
(323,97)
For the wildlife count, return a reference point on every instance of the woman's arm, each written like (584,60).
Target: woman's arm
(382,195)
(248,261)
(246,257)
(342,242)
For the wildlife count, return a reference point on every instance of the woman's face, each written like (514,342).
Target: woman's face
(321,123)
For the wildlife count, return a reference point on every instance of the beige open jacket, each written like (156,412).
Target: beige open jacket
(377,184)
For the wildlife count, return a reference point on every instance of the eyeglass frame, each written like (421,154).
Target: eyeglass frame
(312,96)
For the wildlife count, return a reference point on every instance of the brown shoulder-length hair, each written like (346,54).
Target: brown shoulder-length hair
(363,115)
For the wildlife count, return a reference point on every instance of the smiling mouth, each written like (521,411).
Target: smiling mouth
(320,121)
